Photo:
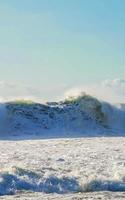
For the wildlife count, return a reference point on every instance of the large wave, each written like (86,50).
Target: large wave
(81,115)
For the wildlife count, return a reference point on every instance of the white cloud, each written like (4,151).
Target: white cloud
(108,90)
(10,91)
(114,83)
(15,90)
(117,86)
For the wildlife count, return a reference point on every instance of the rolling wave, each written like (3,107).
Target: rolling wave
(83,115)
(18,179)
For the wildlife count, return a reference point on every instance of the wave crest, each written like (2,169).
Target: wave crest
(83,114)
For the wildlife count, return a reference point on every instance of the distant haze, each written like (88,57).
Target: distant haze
(50,48)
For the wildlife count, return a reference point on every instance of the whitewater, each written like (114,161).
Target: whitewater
(76,116)
(71,149)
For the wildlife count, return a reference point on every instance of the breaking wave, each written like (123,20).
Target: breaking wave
(19,179)
(25,180)
(83,114)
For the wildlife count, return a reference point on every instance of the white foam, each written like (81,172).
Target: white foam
(83,115)
(19,179)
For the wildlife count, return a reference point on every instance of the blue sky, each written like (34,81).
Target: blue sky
(54,45)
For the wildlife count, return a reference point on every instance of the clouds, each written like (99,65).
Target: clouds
(15,90)
(12,90)
(107,90)
(117,86)
(114,83)
(111,90)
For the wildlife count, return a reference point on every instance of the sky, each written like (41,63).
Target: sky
(50,47)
